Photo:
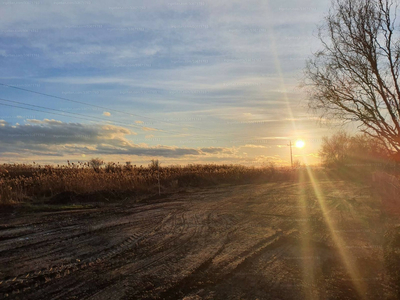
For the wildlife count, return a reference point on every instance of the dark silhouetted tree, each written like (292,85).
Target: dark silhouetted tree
(341,149)
(96,163)
(154,164)
(355,77)
(334,149)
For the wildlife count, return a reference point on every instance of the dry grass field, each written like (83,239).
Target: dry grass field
(29,183)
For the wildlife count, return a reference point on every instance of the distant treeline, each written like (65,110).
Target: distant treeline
(342,150)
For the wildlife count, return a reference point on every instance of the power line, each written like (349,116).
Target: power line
(86,116)
(84,103)
(10,105)
(38,110)
(65,112)
(110,109)
(82,116)
(32,109)
(97,106)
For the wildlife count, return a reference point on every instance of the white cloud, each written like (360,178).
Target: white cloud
(54,138)
(149,129)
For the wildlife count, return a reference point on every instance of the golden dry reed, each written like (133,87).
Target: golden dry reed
(21,182)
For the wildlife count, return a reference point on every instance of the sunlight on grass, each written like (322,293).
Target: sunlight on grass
(337,239)
(306,247)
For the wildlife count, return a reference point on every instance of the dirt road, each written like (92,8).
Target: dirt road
(269,241)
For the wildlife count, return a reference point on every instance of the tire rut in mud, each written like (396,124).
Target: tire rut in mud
(164,250)
(29,283)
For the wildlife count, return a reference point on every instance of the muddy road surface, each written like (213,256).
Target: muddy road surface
(268,241)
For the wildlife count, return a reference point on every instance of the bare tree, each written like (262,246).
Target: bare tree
(334,150)
(341,149)
(96,163)
(154,164)
(355,77)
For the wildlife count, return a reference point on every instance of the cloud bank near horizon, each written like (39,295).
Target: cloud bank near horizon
(61,139)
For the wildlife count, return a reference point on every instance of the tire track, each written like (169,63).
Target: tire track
(27,281)
(152,258)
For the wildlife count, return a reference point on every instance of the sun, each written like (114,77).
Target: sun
(300,144)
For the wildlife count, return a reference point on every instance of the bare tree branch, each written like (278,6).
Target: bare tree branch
(355,75)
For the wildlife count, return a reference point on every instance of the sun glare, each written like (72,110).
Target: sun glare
(300,144)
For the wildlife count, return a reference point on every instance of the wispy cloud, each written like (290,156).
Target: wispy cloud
(209,68)
(148,129)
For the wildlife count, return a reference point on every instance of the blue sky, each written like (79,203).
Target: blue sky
(182,81)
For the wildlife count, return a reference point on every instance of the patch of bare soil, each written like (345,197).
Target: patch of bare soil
(267,241)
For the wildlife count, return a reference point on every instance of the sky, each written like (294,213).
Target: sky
(181,81)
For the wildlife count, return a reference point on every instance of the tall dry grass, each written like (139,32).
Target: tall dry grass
(20,182)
